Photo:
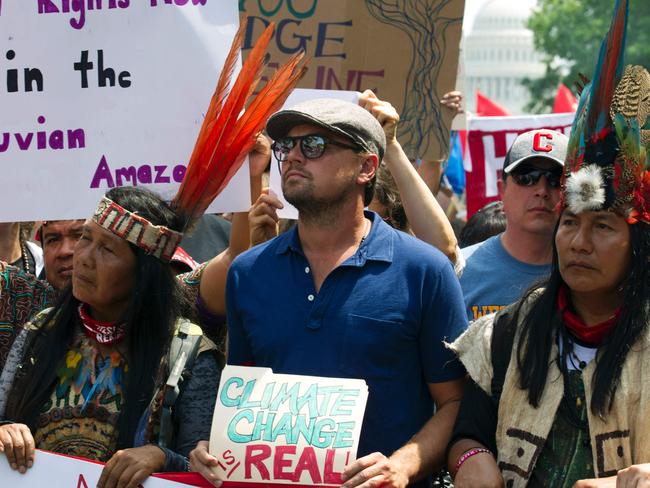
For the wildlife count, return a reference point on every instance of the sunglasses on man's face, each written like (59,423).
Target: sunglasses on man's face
(312,146)
(529,176)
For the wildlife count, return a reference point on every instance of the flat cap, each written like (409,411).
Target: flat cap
(341,117)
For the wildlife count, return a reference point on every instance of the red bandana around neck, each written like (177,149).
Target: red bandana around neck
(589,334)
(106,333)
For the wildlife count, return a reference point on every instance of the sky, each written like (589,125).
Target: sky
(471,9)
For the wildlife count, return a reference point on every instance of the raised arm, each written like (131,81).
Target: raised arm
(427,219)
(430,170)
(213,280)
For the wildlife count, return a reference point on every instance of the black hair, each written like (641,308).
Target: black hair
(26,231)
(369,191)
(388,195)
(487,222)
(540,328)
(155,304)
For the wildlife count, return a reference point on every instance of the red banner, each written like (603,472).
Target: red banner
(61,471)
(488,141)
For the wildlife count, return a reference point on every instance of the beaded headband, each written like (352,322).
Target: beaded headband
(227,134)
(156,240)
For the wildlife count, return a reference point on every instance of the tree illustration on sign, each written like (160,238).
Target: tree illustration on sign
(423,21)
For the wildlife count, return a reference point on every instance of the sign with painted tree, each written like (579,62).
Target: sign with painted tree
(406,51)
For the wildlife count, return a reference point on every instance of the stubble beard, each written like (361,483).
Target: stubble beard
(322,211)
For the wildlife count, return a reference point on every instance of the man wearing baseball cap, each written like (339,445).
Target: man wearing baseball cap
(343,294)
(500,269)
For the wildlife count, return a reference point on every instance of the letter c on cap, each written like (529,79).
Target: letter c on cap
(539,142)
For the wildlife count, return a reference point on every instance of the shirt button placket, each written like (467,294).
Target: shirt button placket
(311,296)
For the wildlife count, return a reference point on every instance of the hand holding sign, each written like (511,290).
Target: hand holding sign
(383,111)
(279,428)
(204,463)
(17,443)
(128,468)
(59,471)
(374,470)
(260,155)
(258,161)
(453,100)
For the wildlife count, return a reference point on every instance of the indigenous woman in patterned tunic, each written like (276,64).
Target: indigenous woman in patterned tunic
(87,377)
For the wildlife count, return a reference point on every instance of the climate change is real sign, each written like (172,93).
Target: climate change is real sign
(277,428)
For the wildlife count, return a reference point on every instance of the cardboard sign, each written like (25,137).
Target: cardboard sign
(285,429)
(488,141)
(56,471)
(407,52)
(102,94)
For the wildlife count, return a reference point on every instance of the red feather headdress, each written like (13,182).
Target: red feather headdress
(228,131)
(227,135)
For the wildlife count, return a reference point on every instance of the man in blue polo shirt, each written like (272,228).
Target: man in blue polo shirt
(343,294)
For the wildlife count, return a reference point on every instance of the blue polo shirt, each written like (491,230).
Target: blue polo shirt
(382,316)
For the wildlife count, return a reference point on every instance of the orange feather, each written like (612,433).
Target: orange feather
(228,131)
(222,86)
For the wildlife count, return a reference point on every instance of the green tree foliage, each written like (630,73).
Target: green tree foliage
(573,30)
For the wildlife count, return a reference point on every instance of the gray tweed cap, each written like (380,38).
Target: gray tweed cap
(338,116)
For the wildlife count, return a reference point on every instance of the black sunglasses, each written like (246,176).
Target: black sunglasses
(312,146)
(529,176)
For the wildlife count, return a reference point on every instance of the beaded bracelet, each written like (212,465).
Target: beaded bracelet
(468,454)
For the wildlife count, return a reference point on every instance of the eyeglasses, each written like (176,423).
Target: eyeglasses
(312,146)
(529,176)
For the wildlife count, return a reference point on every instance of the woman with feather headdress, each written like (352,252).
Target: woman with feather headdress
(98,375)
(559,383)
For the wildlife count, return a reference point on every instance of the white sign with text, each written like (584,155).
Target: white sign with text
(55,471)
(102,94)
(280,428)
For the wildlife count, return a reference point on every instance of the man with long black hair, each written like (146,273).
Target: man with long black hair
(559,380)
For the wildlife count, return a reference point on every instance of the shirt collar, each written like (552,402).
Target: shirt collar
(377,246)
(289,241)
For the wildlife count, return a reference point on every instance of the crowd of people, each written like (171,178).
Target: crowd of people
(518,360)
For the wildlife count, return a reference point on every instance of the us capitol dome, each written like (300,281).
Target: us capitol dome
(499,54)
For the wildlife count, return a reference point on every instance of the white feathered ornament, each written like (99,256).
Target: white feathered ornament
(585,189)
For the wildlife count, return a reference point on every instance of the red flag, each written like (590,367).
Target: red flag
(565,101)
(488,108)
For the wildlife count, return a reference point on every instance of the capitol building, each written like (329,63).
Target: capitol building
(499,53)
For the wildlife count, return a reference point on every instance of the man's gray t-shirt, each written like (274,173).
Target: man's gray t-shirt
(493,279)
